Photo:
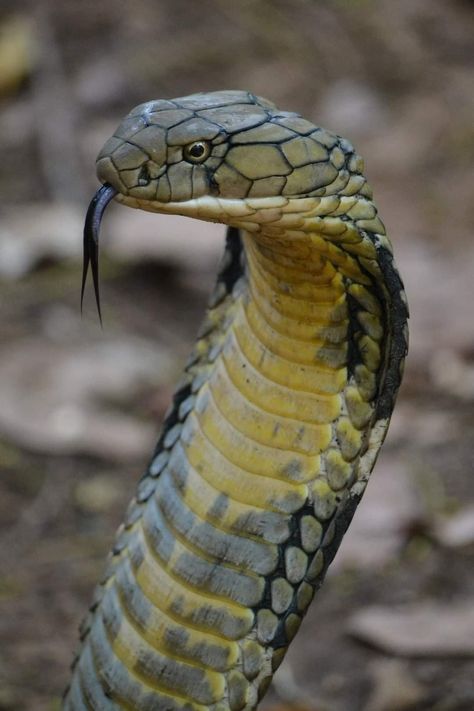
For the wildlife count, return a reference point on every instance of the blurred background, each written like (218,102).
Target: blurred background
(393,628)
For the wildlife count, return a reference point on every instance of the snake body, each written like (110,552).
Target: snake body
(276,425)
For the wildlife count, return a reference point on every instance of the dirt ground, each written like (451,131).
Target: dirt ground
(80,407)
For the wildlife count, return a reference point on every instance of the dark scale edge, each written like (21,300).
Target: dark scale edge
(398,314)
(337,525)
(172,418)
(233,268)
(395,324)
(353,354)
(334,529)
(341,520)
(280,638)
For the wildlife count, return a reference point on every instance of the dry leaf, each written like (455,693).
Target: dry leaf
(425,629)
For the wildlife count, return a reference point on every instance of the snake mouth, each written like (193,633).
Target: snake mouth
(92,223)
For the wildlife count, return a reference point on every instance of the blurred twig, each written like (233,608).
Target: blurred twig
(55,117)
(16,52)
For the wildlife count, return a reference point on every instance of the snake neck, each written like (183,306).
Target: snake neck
(296,306)
(287,374)
(255,478)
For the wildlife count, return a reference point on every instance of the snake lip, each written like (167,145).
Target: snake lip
(92,223)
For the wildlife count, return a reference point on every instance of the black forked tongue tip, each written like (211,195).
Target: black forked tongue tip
(91,239)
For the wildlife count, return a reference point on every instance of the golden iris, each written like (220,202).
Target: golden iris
(196,152)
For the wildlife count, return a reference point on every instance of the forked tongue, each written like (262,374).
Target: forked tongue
(91,239)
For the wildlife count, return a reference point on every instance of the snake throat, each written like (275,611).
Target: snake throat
(94,215)
(277,422)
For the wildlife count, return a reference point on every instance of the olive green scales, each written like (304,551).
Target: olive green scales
(277,422)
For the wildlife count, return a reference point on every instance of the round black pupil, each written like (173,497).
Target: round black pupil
(197,151)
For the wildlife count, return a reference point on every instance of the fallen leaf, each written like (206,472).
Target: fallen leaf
(387,510)
(97,494)
(394,687)
(56,398)
(34,232)
(135,236)
(457,530)
(453,372)
(425,629)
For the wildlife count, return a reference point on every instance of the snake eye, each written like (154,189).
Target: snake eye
(196,152)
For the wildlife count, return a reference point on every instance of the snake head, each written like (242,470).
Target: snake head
(218,156)
(230,145)
(175,151)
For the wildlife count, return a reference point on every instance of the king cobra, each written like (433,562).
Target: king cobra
(276,425)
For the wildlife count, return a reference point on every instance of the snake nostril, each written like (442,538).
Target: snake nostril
(144,176)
